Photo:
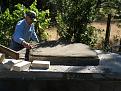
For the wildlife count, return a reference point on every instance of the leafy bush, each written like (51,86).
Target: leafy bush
(8,21)
(73,19)
(6,27)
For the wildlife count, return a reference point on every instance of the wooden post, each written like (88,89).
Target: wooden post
(107,36)
(27,54)
(120,46)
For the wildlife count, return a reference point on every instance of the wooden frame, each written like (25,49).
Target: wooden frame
(9,52)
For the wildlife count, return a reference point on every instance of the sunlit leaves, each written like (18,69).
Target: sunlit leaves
(8,22)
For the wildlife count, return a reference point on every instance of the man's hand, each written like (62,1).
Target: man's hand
(27,45)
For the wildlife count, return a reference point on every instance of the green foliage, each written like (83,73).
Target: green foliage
(8,21)
(42,21)
(106,7)
(90,36)
(6,27)
(43,24)
(73,19)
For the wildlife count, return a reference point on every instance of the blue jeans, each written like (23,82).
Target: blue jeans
(15,46)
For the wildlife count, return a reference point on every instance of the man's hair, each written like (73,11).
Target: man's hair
(31,14)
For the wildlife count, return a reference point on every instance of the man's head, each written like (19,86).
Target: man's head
(30,17)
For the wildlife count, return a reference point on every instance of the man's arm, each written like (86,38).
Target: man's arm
(18,34)
(34,35)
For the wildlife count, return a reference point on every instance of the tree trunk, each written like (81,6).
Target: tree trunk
(107,36)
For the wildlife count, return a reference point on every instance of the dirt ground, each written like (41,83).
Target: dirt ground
(115,33)
(115,30)
(52,32)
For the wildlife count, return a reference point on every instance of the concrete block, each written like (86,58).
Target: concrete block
(22,66)
(40,64)
(2,57)
(8,63)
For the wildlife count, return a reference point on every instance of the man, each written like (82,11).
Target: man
(24,32)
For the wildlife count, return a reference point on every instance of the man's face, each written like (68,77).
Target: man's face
(29,20)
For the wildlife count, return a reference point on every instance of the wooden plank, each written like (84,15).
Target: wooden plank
(9,52)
